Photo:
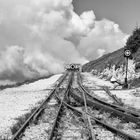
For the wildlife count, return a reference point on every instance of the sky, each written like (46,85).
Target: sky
(123,12)
(38,37)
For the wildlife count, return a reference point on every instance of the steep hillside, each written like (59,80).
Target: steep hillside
(115,58)
(112,65)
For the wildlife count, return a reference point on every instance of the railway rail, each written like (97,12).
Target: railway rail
(40,109)
(126,114)
(77,99)
(87,117)
(58,110)
(65,100)
(133,114)
(116,131)
(114,97)
(109,127)
(54,130)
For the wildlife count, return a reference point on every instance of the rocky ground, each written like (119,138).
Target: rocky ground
(16,102)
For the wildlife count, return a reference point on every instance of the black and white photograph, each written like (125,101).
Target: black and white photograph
(69,69)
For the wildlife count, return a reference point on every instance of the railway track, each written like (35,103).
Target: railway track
(134,114)
(56,125)
(112,97)
(119,134)
(125,115)
(34,116)
(49,120)
(72,125)
(63,116)
(71,113)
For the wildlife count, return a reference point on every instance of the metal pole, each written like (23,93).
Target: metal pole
(126,83)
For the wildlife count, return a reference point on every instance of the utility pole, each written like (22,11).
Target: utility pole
(127,54)
(126,70)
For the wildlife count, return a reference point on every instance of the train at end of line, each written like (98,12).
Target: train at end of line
(73,67)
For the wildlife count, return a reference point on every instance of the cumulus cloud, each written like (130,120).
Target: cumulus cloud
(100,52)
(105,37)
(11,61)
(34,37)
(37,37)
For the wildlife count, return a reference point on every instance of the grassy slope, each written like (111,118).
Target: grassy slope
(100,63)
(114,58)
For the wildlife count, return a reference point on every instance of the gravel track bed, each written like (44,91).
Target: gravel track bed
(127,127)
(73,128)
(91,81)
(17,102)
(75,81)
(41,130)
(103,134)
(16,105)
(99,131)
(61,93)
(90,84)
(101,95)
(65,82)
(106,99)
(119,123)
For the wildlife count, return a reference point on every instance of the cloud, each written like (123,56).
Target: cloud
(37,37)
(100,52)
(88,18)
(34,37)
(106,36)
(11,61)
